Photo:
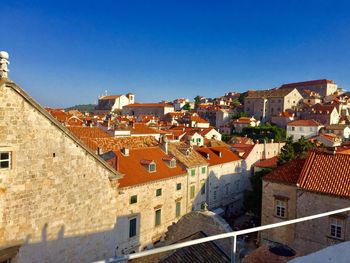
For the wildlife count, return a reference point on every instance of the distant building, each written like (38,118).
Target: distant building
(326,114)
(305,128)
(243,122)
(324,87)
(156,109)
(110,103)
(263,104)
(282,119)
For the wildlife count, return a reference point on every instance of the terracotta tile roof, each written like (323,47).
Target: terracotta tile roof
(179,150)
(135,172)
(267,163)
(141,128)
(113,143)
(336,127)
(323,108)
(307,83)
(110,97)
(88,132)
(243,148)
(149,105)
(287,173)
(276,93)
(304,123)
(326,173)
(59,114)
(218,155)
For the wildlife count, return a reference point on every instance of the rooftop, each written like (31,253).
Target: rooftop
(218,155)
(304,123)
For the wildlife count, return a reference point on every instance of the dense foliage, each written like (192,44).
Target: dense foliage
(293,150)
(253,198)
(264,132)
(187,106)
(238,115)
(82,108)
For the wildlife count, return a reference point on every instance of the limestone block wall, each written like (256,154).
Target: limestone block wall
(144,212)
(56,199)
(207,222)
(284,235)
(315,234)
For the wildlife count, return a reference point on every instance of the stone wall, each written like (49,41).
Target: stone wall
(57,199)
(285,234)
(193,222)
(315,234)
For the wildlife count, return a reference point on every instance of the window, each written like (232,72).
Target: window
(5,160)
(203,206)
(158,214)
(178,186)
(301,128)
(198,140)
(173,163)
(193,172)
(336,227)
(133,199)
(178,209)
(159,192)
(280,208)
(311,129)
(293,128)
(152,167)
(132,227)
(192,191)
(203,188)
(204,170)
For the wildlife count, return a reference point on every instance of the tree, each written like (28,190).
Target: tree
(242,97)
(197,100)
(253,198)
(187,106)
(264,132)
(238,115)
(235,102)
(293,150)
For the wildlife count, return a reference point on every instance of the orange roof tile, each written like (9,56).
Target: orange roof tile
(307,83)
(326,173)
(88,132)
(304,123)
(149,105)
(287,173)
(267,163)
(137,173)
(218,155)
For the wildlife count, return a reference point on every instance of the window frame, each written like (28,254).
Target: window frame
(178,186)
(159,192)
(340,223)
(281,207)
(157,221)
(203,188)
(8,160)
(133,201)
(204,170)
(177,209)
(192,191)
(193,172)
(132,234)
(152,165)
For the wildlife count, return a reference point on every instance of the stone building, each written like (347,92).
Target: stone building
(153,194)
(305,128)
(111,103)
(324,87)
(156,109)
(263,104)
(58,199)
(306,187)
(225,178)
(197,173)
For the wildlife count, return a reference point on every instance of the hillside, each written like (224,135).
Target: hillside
(82,107)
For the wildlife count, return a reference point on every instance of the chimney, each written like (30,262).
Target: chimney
(125,151)
(4,56)
(208,156)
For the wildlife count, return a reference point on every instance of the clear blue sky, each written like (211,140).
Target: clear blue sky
(68,52)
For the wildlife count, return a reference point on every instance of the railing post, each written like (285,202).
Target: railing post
(234,249)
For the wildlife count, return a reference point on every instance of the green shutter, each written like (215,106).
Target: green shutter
(192,193)
(132,227)
(158,214)
(178,209)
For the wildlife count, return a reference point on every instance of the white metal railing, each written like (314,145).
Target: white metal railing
(232,235)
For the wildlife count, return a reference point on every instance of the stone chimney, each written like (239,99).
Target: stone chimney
(4,56)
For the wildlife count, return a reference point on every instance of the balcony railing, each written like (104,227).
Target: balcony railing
(232,235)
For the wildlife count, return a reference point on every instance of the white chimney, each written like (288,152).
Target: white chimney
(4,56)
(125,151)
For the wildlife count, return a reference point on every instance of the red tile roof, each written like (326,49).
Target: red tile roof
(287,173)
(267,163)
(149,105)
(137,173)
(88,132)
(307,83)
(243,148)
(218,155)
(304,123)
(109,97)
(326,173)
